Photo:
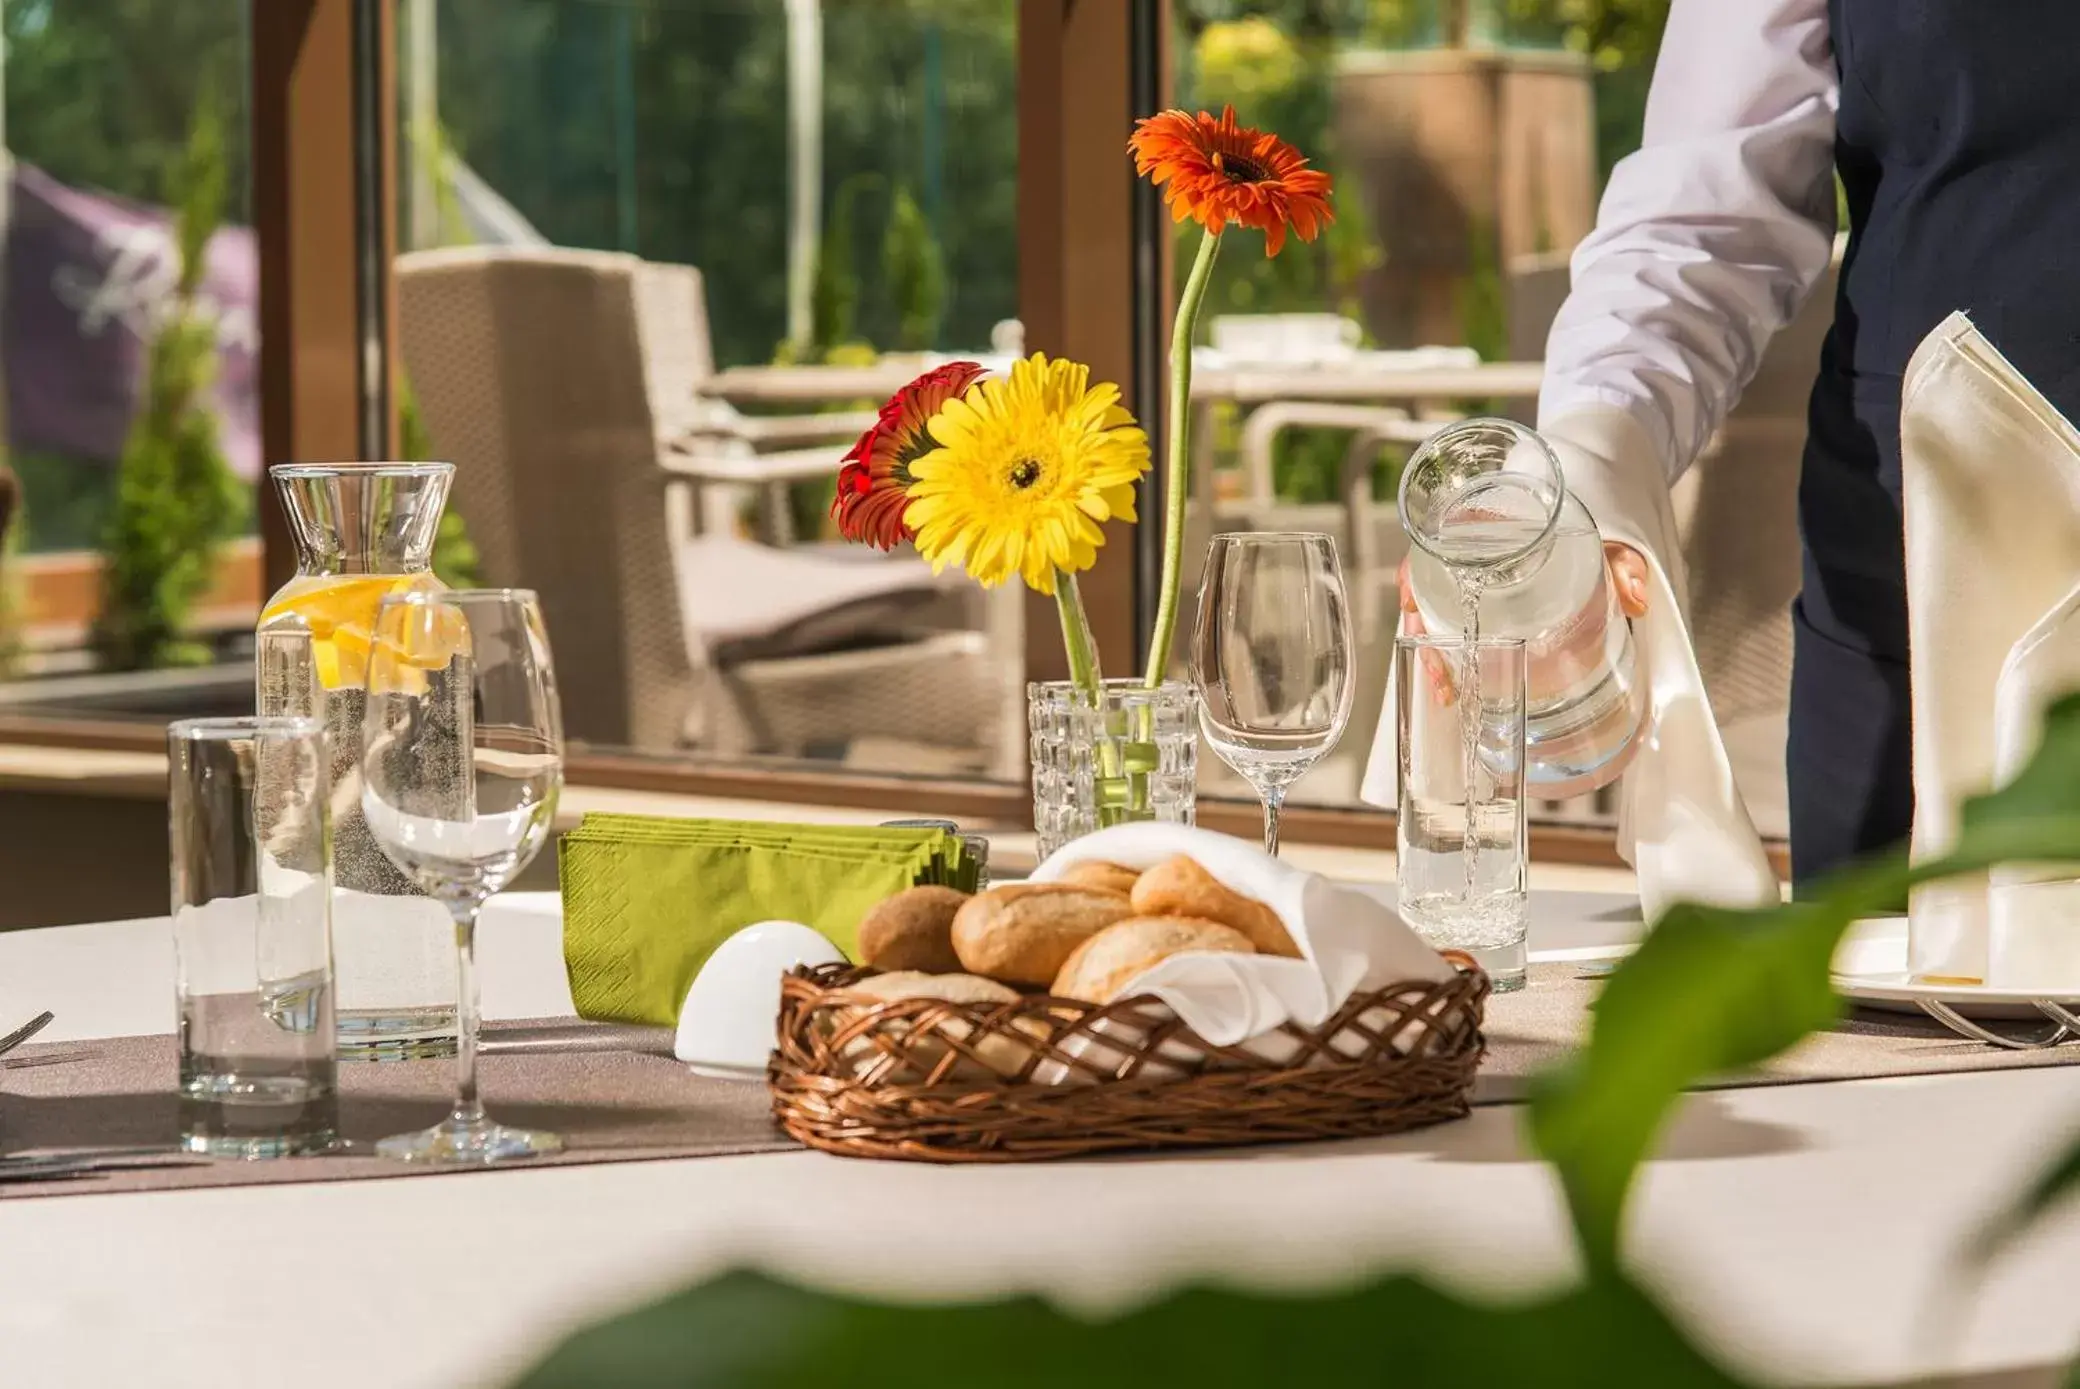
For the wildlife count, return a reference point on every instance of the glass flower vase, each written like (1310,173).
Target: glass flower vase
(362,532)
(1131,756)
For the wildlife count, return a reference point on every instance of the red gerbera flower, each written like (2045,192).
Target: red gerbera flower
(874,480)
(1220,172)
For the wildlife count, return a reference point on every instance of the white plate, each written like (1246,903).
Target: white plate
(1870,968)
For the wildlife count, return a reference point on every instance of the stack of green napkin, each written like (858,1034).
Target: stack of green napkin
(646,900)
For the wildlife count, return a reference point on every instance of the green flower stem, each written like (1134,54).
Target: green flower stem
(1120,795)
(1076,638)
(1181,335)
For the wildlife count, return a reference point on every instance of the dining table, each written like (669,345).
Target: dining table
(1805,1233)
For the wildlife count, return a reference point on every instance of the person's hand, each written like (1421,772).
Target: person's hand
(1628,579)
(1628,575)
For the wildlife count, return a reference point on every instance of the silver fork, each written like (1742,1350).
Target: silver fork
(24,1032)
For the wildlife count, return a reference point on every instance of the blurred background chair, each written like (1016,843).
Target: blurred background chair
(564,385)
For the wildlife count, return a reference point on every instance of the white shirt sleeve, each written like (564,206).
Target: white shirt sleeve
(1711,236)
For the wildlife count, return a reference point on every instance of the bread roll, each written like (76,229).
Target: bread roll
(912,930)
(1021,934)
(1113,877)
(1180,887)
(1104,963)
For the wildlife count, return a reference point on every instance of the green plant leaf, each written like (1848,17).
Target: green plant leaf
(1713,990)
(2036,815)
(749,1332)
(1709,990)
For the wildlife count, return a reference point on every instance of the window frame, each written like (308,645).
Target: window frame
(1094,279)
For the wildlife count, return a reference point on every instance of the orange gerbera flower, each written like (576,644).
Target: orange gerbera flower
(874,480)
(1220,172)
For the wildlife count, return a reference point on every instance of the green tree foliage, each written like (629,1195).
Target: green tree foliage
(102,93)
(913,272)
(1613,34)
(176,498)
(834,296)
(522,85)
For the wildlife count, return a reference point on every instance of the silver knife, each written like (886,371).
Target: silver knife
(33,1167)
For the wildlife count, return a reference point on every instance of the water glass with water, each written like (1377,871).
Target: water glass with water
(1460,828)
(252,934)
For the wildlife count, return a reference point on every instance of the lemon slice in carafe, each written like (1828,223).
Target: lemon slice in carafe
(340,611)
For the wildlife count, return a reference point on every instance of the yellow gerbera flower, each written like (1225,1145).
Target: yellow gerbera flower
(1027,470)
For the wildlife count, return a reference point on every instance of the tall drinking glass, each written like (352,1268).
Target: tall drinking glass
(1271,654)
(1460,828)
(252,935)
(462,760)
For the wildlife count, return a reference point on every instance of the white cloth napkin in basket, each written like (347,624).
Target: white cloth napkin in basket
(1991,495)
(1349,941)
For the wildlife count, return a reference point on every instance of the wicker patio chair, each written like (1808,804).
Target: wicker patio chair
(538,378)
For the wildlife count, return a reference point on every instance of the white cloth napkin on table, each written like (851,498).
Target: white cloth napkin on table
(1991,495)
(1682,823)
(1348,940)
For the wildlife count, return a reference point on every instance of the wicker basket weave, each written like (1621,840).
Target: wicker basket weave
(933,1081)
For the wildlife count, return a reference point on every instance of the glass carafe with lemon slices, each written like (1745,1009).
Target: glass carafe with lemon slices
(362,532)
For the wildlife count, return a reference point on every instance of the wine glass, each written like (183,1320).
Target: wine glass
(1271,655)
(462,759)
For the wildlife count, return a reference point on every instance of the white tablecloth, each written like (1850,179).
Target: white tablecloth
(1807,1232)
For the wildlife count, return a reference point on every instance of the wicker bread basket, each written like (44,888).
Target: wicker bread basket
(933,1081)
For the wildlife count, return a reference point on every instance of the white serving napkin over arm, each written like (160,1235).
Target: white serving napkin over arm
(1682,823)
(1991,496)
(1348,941)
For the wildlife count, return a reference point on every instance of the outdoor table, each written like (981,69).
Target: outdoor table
(1805,1231)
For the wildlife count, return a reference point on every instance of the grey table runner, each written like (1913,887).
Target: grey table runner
(611,1103)
(616,1095)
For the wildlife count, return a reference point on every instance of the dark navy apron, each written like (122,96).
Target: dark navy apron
(1959,147)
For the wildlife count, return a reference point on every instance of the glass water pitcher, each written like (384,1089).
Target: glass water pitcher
(1503,549)
(362,532)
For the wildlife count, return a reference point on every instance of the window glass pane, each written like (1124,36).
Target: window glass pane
(1469,141)
(130,574)
(660,261)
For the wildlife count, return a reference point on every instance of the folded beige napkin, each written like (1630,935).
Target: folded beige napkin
(1991,493)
